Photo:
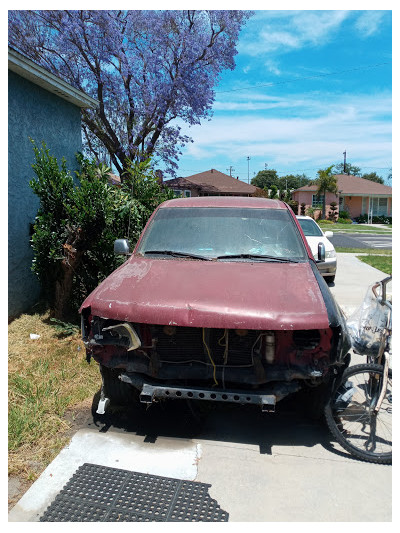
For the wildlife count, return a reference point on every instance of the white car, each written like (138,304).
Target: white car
(315,235)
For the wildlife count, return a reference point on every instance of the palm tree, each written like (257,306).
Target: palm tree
(326,182)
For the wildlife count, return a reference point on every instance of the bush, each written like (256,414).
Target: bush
(344,214)
(294,206)
(310,212)
(344,221)
(381,219)
(76,224)
(325,222)
(332,212)
(362,219)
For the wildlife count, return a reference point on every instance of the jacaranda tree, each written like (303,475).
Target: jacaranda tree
(146,69)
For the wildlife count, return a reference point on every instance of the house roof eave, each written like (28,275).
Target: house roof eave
(38,75)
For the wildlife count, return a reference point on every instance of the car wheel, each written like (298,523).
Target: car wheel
(330,279)
(118,392)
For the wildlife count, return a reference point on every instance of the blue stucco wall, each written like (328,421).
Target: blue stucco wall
(36,113)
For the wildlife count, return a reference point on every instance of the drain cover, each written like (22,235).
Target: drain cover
(100,494)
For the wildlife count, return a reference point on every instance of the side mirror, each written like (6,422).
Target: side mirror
(328,233)
(321,252)
(121,247)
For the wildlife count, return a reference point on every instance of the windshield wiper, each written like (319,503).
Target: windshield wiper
(177,254)
(257,256)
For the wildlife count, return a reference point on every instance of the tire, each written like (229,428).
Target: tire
(350,418)
(329,279)
(118,392)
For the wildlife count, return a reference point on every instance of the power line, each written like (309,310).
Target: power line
(294,80)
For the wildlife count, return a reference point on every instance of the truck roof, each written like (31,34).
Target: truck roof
(225,201)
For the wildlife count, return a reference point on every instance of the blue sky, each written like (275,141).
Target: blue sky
(308,85)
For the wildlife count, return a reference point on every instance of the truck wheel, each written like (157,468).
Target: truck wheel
(118,392)
(314,401)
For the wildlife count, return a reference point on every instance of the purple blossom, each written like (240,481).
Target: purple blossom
(146,68)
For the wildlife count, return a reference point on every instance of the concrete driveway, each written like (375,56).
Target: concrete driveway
(262,467)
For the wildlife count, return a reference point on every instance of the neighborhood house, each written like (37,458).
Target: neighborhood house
(210,183)
(357,196)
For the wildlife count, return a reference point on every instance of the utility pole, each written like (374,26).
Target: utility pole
(344,163)
(248,169)
(231,169)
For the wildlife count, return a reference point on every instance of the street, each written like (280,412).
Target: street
(361,240)
(276,467)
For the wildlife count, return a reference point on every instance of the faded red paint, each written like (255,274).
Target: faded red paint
(234,294)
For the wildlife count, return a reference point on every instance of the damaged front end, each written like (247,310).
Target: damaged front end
(214,364)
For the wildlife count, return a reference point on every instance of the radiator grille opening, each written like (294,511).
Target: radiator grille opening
(184,344)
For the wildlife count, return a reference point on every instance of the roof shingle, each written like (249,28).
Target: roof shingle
(348,184)
(213,181)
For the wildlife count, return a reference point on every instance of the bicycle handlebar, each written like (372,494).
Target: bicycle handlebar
(383,284)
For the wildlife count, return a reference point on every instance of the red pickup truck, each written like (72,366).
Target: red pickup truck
(221,300)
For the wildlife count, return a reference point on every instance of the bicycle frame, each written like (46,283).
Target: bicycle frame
(384,346)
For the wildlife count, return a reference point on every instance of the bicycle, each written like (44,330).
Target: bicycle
(359,412)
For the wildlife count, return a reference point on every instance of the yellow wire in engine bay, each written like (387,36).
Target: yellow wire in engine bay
(210,357)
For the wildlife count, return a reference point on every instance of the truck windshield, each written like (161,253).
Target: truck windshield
(215,232)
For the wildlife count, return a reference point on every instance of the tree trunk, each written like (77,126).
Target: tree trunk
(63,288)
(323,207)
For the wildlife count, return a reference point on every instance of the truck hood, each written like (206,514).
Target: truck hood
(232,295)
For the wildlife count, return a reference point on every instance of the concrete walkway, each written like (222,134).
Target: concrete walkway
(353,277)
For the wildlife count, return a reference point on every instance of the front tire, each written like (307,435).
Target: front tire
(118,392)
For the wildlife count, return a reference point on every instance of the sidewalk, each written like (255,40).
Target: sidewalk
(353,277)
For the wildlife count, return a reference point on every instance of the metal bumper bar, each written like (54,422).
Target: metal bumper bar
(151,392)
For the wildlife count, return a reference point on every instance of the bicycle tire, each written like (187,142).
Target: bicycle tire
(366,436)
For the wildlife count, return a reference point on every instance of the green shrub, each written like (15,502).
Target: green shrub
(294,206)
(381,219)
(362,219)
(77,223)
(310,211)
(344,221)
(325,222)
(332,211)
(344,214)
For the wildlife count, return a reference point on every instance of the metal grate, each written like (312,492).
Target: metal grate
(102,494)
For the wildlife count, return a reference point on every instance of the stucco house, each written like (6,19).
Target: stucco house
(45,108)
(356,195)
(210,183)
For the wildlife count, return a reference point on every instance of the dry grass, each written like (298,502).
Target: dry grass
(49,379)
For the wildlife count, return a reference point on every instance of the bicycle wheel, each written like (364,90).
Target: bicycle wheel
(351,417)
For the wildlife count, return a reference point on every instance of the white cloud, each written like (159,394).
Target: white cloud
(287,30)
(272,67)
(312,130)
(369,22)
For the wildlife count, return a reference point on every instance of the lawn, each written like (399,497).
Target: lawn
(354,228)
(382,262)
(49,381)
(369,251)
